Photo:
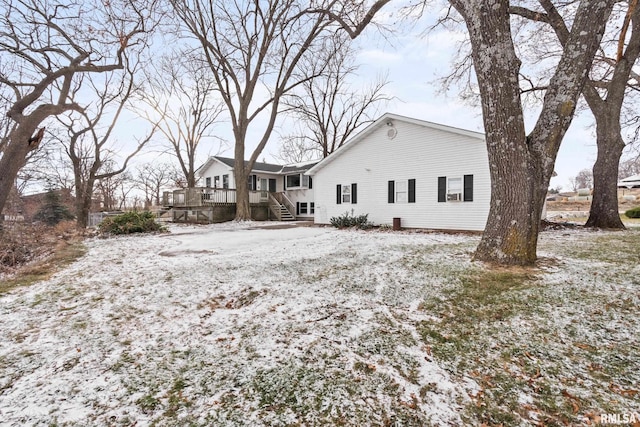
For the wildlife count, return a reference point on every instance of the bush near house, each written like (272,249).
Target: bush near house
(633,213)
(347,220)
(130,222)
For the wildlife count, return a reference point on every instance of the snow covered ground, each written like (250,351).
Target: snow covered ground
(239,324)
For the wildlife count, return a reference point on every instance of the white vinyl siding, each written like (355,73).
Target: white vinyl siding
(418,153)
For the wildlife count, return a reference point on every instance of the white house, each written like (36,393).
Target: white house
(288,182)
(428,175)
(630,182)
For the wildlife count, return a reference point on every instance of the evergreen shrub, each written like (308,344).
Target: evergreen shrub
(347,220)
(633,212)
(130,222)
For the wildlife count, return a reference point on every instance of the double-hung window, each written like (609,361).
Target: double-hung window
(455,188)
(347,193)
(402,191)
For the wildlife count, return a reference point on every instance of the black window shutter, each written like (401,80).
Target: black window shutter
(392,192)
(412,191)
(310,183)
(354,193)
(297,208)
(442,189)
(284,182)
(468,188)
(338,194)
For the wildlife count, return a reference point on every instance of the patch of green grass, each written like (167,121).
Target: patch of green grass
(544,350)
(619,247)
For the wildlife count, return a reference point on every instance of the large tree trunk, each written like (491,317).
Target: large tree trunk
(84,199)
(520,165)
(243,209)
(604,206)
(21,142)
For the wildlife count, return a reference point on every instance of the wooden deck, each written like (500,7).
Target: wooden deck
(205,196)
(202,204)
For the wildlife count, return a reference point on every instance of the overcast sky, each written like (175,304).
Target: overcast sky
(413,62)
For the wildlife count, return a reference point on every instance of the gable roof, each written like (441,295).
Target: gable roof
(257,166)
(261,166)
(384,120)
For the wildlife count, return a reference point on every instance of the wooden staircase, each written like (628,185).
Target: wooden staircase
(280,210)
(284,214)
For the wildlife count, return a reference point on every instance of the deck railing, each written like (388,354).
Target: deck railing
(206,196)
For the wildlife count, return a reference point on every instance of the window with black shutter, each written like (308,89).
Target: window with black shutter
(442,189)
(412,191)
(468,188)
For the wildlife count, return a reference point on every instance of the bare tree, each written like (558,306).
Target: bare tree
(151,178)
(521,164)
(584,179)
(112,188)
(253,51)
(629,168)
(605,92)
(328,110)
(183,104)
(89,142)
(46,45)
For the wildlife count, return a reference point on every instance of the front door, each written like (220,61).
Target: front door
(272,185)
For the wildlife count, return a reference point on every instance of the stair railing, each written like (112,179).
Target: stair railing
(274,206)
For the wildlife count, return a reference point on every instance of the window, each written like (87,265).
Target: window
(207,181)
(455,189)
(225,181)
(312,208)
(293,180)
(252,182)
(302,208)
(216,181)
(403,191)
(298,181)
(347,194)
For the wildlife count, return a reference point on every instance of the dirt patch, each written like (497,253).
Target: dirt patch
(32,252)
